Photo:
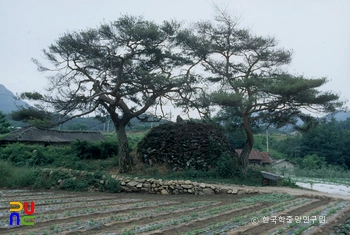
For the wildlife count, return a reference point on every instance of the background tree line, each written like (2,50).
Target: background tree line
(325,143)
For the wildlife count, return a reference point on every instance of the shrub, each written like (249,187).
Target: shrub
(33,155)
(39,159)
(74,180)
(18,154)
(84,149)
(113,185)
(109,148)
(228,166)
(74,185)
(99,150)
(287,182)
(325,172)
(14,177)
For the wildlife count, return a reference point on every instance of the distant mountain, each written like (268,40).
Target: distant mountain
(340,116)
(7,101)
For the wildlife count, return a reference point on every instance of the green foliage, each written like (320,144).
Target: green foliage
(231,126)
(343,228)
(74,185)
(252,175)
(15,177)
(324,143)
(135,138)
(63,156)
(287,182)
(260,145)
(85,150)
(248,72)
(34,117)
(77,127)
(273,197)
(113,185)
(218,150)
(324,172)
(229,167)
(32,155)
(18,154)
(127,49)
(39,159)
(329,140)
(5,126)
(311,162)
(98,150)
(322,146)
(31,95)
(74,180)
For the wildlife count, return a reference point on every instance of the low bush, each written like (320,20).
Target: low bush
(228,167)
(325,172)
(15,177)
(70,156)
(33,155)
(74,185)
(288,182)
(99,150)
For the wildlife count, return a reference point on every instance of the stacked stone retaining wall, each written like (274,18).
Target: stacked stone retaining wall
(159,186)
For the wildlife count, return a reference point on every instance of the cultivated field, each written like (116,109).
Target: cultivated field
(58,212)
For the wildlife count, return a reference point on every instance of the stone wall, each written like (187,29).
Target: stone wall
(58,177)
(158,186)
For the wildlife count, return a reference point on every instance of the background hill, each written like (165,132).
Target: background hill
(8,104)
(340,116)
(7,101)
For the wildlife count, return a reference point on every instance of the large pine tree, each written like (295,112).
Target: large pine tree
(245,72)
(122,68)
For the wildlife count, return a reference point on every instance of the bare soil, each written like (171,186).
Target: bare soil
(61,212)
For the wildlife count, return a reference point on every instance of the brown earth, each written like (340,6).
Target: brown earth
(152,209)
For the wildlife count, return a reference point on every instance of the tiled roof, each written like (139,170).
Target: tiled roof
(256,155)
(33,134)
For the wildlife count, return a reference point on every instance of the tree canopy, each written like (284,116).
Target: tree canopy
(5,126)
(329,140)
(126,67)
(246,72)
(34,117)
(122,68)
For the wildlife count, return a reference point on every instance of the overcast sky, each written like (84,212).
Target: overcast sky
(318,31)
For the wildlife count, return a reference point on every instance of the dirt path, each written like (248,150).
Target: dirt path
(287,190)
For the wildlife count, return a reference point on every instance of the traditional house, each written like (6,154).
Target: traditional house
(257,158)
(45,137)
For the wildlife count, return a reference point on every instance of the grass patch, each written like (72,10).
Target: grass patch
(39,178)
(16,177)
(328,172)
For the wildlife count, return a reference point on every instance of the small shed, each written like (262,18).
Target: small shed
(46,137)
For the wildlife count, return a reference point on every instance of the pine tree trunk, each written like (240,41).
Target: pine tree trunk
(125,160)
(248,144)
